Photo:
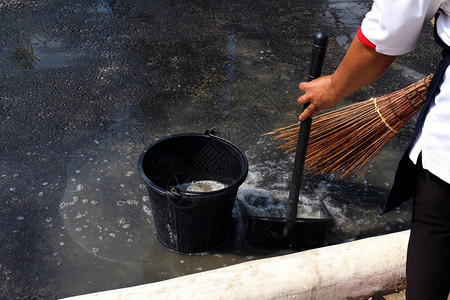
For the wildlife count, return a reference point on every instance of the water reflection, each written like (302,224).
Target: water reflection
(43,53)
(23,52)
(347,14)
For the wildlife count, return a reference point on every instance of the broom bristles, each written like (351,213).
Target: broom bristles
(344,141)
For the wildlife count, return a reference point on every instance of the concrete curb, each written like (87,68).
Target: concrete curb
(353,270)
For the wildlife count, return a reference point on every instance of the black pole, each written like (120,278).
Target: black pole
(319,47)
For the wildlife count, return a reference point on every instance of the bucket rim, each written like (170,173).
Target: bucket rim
(179,194)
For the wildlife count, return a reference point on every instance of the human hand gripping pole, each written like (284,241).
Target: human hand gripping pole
(320,43)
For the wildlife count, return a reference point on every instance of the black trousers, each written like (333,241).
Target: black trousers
(428,258)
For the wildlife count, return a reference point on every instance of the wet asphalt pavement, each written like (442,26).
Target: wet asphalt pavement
(85,85)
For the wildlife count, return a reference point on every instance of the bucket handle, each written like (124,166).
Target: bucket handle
(212,132)
(179,193)
(182,196)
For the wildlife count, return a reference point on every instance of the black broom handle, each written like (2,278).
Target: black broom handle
(320,44)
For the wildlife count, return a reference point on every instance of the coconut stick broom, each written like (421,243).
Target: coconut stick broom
(344,141)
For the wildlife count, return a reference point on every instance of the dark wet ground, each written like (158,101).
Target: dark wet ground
(85,86)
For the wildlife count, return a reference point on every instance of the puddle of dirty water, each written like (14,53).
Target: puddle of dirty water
(105,207)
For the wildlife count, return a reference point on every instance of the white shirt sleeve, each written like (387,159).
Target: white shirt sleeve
(394,26)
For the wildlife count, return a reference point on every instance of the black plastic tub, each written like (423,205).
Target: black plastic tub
(266,229)
(186,221)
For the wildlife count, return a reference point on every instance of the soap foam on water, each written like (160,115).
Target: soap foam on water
(202,186)
(110,218)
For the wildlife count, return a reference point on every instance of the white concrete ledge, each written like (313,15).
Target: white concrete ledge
(353,270)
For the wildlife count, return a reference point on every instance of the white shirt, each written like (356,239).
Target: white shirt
(393,27)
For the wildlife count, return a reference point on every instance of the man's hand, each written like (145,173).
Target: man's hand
(359,67)
(320,94)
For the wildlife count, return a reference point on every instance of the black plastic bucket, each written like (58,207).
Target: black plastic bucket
(192,222)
